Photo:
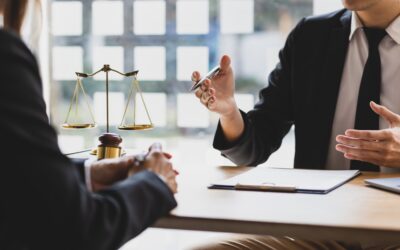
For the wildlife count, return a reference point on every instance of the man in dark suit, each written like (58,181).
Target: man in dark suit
(45,202)
(334,72)
(317,82)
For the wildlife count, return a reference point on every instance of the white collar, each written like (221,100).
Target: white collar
(393,29)
(355,24)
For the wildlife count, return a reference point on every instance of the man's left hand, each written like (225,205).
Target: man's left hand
(379,147)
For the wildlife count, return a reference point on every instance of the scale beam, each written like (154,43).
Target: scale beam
(107,68)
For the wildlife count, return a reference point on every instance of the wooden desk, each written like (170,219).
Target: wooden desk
(352,212)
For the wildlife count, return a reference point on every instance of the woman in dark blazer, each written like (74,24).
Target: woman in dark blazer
(45,203)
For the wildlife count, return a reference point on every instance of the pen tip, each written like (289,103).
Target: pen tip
(193,87)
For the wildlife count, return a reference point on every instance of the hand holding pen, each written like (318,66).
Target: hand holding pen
(210,75)
(217,94)
(216,90)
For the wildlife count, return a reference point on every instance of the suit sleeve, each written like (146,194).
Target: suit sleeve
(271,118)
(80,168)
(46,203)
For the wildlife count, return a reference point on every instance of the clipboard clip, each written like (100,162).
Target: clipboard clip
(266,187)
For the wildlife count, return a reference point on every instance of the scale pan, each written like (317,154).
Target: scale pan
(78,125)
(136,127)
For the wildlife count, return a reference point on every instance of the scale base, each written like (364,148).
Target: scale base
(94,151)
(108,152)
(109,147)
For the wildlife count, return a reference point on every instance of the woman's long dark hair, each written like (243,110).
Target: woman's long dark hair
(14,12)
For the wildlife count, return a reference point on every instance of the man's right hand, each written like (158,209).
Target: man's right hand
(218,94)
(159,163)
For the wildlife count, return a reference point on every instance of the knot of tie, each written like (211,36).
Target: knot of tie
(374,36)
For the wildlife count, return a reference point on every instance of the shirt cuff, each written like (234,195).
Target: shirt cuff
(221,143)
(88,177)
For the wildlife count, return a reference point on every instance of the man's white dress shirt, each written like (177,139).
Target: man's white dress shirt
(356,58)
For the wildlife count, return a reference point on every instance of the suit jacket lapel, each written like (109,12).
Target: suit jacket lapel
(328,88)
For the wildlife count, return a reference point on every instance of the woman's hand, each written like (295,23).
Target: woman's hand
(106,172)
(159,163)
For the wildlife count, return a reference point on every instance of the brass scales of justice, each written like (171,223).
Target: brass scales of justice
(109,146)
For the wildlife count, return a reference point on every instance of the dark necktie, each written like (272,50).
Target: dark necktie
(370,90)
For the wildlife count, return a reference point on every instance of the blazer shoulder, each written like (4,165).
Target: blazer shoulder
(8,38)
(313,31)
(11,46)
(326,22)
(17,63)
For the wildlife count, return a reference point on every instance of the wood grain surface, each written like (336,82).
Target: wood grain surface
(353,212)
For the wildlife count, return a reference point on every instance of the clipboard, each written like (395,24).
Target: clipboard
(287,180)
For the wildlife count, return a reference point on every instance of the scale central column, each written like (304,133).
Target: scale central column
(109,142)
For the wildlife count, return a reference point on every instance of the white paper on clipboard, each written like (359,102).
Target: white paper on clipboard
(303,180)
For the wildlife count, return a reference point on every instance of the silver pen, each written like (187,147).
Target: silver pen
(210,75)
